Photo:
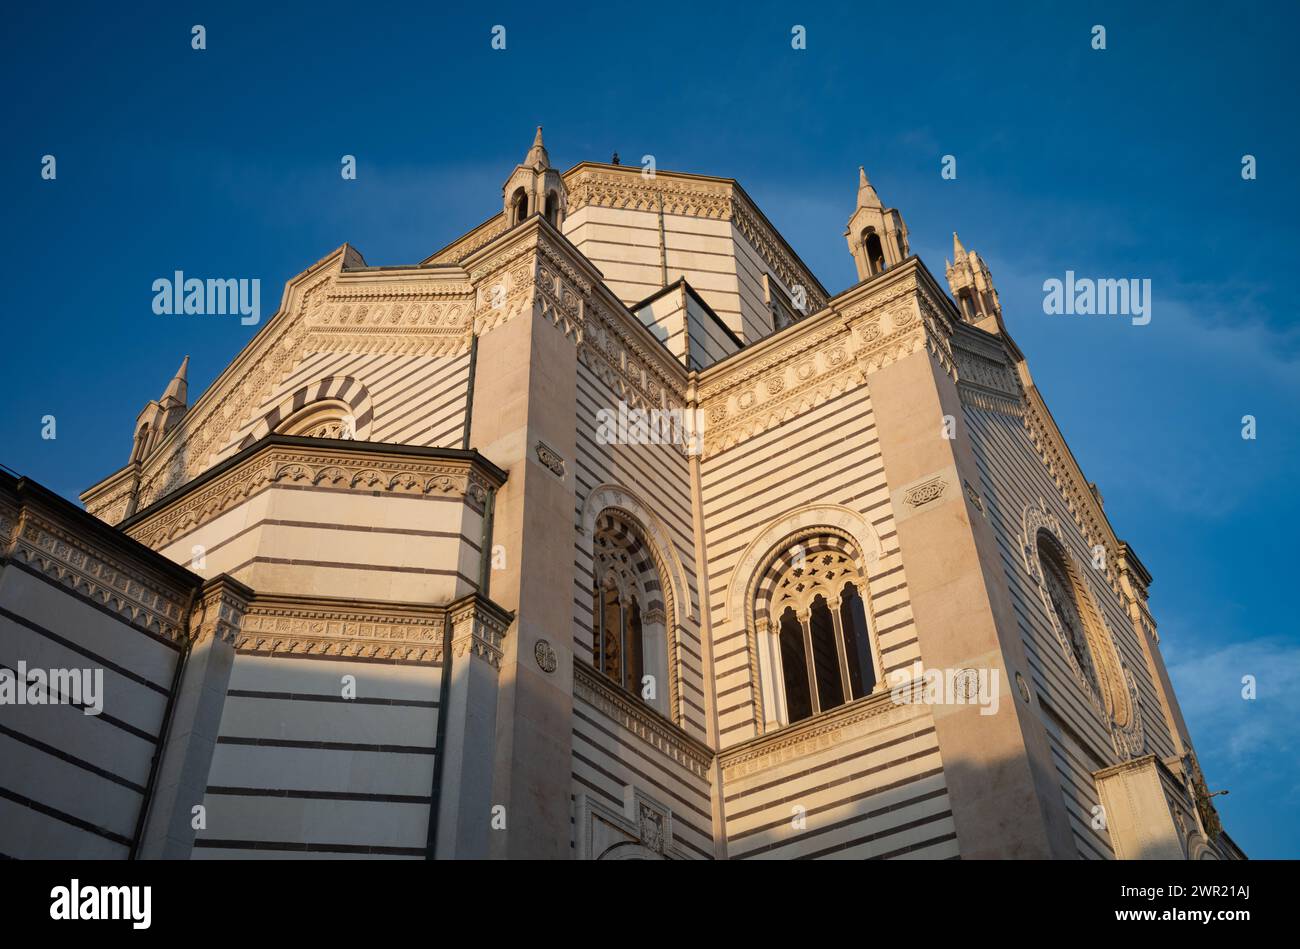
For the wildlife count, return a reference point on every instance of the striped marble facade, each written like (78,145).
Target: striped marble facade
(353,502)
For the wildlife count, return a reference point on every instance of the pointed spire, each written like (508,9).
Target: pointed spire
(867,197)
(958,252)
(537,157)
(178,388)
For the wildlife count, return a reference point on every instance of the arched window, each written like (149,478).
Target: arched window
(518,206)
(875,251)
(629,631)
(1088,646)
(857,641)
(552,209)
(1063,597)
(141,440)
(794,667)
(814,637)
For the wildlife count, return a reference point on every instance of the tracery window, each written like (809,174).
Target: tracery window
(629,624)
(813,621)
(1087,644)
(1062,595)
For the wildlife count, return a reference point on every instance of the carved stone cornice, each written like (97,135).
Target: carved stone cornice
(476,239)
(536,271)
(770,247)
(415,313)
(1079,499)
(291,626)
(835,728)
(479,628)
(219,612)
(8,527)
(364,467)
(641,721)
(113,499)
(632,190)
(993,376)
(68,556)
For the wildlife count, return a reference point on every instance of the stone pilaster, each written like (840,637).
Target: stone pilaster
(1005,797)
(195,721)
(525,391)
(465,790)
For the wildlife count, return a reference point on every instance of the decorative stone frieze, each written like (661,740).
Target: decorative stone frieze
(312,626)
(57,545)
(592,688)
(410,314)
(833,729)
(364,470)
(475,240)
(985,378)
(478,629)
(219,612)
(862,332)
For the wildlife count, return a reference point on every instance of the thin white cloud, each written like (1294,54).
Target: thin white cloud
(1209,684)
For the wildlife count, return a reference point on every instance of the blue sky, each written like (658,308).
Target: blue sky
(1118,163)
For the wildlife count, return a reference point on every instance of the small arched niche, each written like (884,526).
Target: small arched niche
(874,250)
(518,207)
(327,418)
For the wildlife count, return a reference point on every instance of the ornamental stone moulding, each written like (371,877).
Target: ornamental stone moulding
(790,526)
(831,730)
(137,598)
(362,472)
(591,687)
(1114,694)
(550,459)
(478,632)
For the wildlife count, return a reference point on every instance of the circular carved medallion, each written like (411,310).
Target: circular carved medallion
(545,656)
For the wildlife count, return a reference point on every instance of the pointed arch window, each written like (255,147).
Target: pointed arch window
(552,209)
